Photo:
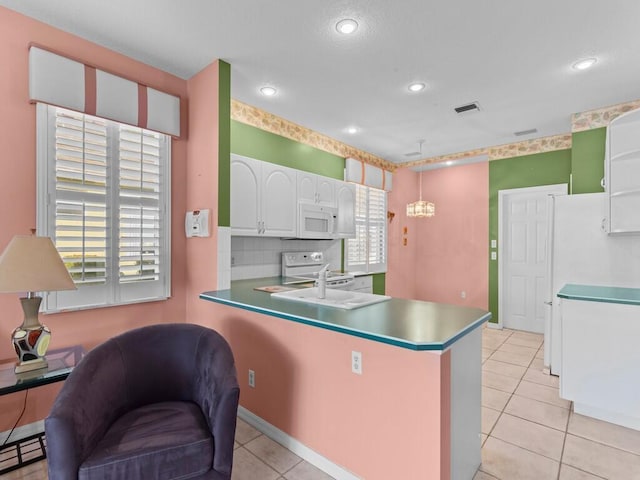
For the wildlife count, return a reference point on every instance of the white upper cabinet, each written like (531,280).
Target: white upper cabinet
(346,196)
(278,201)
(622,173)
(245,195)
(263,198)
(314,188)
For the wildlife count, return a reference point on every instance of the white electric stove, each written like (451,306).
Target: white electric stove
(301,267)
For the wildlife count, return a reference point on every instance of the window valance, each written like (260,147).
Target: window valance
(60,81)
(363,173)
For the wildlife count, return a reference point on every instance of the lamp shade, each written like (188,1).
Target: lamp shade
(32,264)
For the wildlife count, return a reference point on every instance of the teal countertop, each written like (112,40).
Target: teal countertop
(411,324)
(594,293)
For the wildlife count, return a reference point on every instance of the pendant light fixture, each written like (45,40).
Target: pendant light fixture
(421,208)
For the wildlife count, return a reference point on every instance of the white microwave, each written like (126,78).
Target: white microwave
(316,221)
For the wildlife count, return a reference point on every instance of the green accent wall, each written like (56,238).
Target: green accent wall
(548,168)
(587,160)
(224,143)
(379,285)
(255,143)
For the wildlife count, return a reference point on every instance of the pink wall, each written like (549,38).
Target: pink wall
(401,274)
(18,196)
(202,178)
(382,424)
(450,251)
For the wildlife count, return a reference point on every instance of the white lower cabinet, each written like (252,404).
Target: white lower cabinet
(263,198)
(362,284)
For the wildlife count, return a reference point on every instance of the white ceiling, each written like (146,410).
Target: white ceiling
(513,57)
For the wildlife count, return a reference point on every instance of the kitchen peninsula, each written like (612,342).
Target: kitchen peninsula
(413,412)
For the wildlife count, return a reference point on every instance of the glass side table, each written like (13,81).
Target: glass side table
(31,449)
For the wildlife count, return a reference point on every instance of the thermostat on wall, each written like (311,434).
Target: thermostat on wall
(196,223)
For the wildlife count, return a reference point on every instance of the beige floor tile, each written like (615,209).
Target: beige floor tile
(245,432)
(604,432)
(486,353)
(306,471)
(537,363)
(531,343)
(602,460)
(532,436)
(499,382)
(495,399)
(497,333)
(508,369)
(272,453)
(540,353)
(492,342)
(483,476)
(35,471)
(567,472)
(515,358)
(483,438)
(528,335)
(519,349)
(509,462)
(235,445)
(538,376)
(539,412)
(489,418)
(247,466)
(541,393)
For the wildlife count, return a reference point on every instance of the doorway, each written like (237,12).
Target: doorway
(523,267)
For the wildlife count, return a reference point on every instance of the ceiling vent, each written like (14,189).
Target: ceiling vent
(470,107)
(525,132)
(412,154)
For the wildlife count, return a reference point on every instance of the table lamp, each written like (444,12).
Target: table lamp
(32,264)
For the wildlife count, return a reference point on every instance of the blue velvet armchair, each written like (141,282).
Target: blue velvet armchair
(158,402)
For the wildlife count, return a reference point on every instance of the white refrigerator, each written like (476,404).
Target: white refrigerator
(582,253)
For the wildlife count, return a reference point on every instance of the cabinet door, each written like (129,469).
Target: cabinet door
(279,206)
(306,187)
(325,191)
(623,173)
(245,194)
(346,196)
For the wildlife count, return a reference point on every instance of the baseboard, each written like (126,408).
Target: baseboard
(22,432)
(304,452)
(495,326)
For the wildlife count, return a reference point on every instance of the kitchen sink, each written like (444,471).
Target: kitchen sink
(333,298)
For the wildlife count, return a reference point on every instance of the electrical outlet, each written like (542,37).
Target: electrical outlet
(252,379)
(494,256)
(404,242)
(463,294)
(356,362)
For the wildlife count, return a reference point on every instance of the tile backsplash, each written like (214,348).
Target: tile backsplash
(256,257)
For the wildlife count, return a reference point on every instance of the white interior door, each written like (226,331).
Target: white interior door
(523,261)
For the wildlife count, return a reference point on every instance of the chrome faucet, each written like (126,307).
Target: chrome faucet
(322,281)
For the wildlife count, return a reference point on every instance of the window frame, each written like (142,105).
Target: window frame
(369,267)
(113,292)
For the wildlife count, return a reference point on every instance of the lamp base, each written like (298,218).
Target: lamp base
(31,339)
(31,365)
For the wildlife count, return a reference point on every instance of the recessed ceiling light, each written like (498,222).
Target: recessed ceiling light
(352,130)
(585,63)
(448,163)
(416,87)
(268,91)
(347,26)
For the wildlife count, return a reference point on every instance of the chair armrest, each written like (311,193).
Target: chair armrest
(92,397)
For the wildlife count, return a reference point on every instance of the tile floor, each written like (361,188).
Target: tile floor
(528,431)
